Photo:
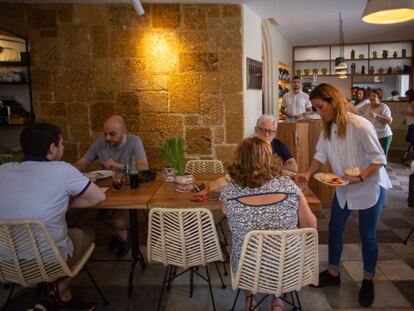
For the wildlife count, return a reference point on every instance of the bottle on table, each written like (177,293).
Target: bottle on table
(133,173)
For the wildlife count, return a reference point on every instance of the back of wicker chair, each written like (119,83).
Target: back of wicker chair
(204,167)
(28,255)
(277,262)
(182,237)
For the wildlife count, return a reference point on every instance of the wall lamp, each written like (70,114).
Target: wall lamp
(138,7)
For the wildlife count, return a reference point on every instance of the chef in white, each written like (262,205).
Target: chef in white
(295,103)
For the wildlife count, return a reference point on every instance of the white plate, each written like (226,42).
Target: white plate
(99,174)
(326,177)
(313,116)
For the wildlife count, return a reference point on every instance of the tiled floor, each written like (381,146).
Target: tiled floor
(394,280)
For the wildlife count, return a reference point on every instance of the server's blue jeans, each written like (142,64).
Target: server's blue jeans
(368,220)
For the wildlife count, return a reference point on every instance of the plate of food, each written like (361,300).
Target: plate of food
(330,179)
(99,174)
(353,171)
(313,116)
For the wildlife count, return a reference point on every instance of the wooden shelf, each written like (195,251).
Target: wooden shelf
(313,61)
(14,83)
(378,74)
(13,64)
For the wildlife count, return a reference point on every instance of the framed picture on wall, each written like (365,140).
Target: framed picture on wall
(254,74)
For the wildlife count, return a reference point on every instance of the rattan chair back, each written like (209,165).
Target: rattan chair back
(204,167)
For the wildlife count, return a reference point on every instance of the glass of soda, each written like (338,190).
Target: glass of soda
(117,179)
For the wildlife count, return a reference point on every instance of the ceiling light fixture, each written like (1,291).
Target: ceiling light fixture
(340,64)
(388,11)
(138,7)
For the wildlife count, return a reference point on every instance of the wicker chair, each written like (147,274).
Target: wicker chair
(185,238)
(204,167)
(29,257)
(278,262)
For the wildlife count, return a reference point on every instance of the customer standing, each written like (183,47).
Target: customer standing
(259,198)
(295,102)
(379,114)
(348,140)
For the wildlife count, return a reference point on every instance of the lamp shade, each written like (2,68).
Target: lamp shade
(341,71)
(138,7)
(342,76)
(340,63)
(388,11)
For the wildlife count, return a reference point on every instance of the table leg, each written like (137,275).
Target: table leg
(135,251)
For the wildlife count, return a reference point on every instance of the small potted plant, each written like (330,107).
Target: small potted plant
(172,150)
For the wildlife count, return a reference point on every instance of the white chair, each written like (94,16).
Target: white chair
(184,238)
(204,167)
(29,256)
(278,262)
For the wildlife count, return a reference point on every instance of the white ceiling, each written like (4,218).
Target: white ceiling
(304,22)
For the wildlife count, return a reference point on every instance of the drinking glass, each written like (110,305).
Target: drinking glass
(117,179)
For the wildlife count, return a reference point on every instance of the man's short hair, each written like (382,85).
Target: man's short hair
(36,138)
(296,78)
(266,118)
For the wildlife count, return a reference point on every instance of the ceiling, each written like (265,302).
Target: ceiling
(304,22)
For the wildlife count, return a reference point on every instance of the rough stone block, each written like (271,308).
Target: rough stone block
(108,74)
(65,13)
(48,33)
(233,10)
(231,83)
(41,80)
(145,82)
(150,139)
(126,43)
(147,122)
(78,121)
(210,83)
(211,107)
(74,45)
(198,62)
(59,121)
(89,14)
(151,101)
(198,140)
(226,41)
(170,125)
(231,63)
(194,18)
(166,15)
(42,18)
(192,120)
(188,62)
(234,129)
(225,153)
(71,153)
(73,85)
(218,135)
(46,97)
(44,52)
(82,148)
(194,41)
(105,96)
(212,10)
(184,93)
(233,104)
(224,24)
(99,112)
(49,109)
(127,103)
(124,16)
(100,44)
(154,157)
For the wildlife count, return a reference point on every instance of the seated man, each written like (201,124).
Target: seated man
(114,150)
(42,187)
(266,129)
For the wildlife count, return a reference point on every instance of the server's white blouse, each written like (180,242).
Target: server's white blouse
(359,148)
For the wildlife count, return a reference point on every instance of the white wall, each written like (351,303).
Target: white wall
(252,48)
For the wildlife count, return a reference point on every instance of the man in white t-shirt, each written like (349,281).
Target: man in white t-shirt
(295,103)
(42,187)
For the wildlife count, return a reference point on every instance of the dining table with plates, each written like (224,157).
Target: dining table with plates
(158,193)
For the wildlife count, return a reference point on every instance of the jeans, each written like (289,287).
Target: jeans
(368,220)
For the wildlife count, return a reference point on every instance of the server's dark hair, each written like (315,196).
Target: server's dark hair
(37,137)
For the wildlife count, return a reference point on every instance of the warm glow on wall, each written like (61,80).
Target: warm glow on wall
(161,51)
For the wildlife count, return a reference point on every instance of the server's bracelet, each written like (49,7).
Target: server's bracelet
(360,178)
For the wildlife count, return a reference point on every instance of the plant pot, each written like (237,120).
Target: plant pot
(169,173)
(184,183)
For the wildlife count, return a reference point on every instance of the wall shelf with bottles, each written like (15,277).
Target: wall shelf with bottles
(284,79)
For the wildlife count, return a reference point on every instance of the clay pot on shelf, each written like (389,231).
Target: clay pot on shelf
(361,56)
(324,71)
(363,70)
(307,71)
(398,70)
(298,72)
(352,54)
(395,54)
(384,53)
(380,70)
(403,53)
(315,71)
(374,54)
(371,70)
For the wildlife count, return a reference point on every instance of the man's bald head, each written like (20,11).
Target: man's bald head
(114,130)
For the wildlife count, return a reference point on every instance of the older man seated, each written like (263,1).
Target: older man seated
(266,129)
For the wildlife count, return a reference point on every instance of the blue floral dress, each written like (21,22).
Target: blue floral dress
(243,218)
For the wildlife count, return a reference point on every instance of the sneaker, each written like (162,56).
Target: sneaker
(123,249)
(327,279)
(113,242)
(75,305)
(366,293)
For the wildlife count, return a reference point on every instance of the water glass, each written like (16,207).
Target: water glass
(117,179)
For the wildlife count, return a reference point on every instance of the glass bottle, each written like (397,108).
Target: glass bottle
(133,173)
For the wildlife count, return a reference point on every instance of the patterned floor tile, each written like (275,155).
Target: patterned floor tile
(396,270)
(355,270)
(388,295)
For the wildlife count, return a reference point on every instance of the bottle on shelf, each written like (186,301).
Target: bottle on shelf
(133,173)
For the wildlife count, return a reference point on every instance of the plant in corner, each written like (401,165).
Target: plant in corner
(173,152)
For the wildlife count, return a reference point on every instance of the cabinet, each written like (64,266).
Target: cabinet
(16,107)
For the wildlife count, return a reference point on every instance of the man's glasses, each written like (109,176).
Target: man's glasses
(266,131)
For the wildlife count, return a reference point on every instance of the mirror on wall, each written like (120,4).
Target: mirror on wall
(393,86)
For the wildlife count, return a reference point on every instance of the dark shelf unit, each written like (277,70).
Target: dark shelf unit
(14,83)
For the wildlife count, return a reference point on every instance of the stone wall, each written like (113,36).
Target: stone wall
(177,70)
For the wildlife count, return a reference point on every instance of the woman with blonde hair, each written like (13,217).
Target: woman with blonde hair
(349,141)
(259,198)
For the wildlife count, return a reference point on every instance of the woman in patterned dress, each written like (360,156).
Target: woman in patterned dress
(259,198)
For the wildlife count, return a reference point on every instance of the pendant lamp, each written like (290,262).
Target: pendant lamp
(138,7)
(340,64)
(388,11)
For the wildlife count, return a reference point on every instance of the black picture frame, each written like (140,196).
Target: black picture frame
(254,74)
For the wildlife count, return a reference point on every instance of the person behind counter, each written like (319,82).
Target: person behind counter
(260,198)
(409,120)
(295,103)
(266,129)
(348,140)
(379,114)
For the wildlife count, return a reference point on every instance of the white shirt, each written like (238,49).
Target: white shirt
(360,147)
(40,190)
(295,103)
(383,130)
